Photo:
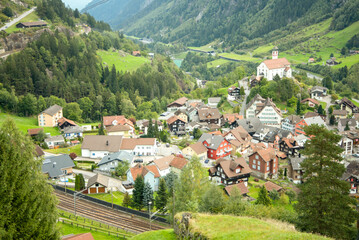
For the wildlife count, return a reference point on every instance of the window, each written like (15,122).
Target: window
(238,170)
(256,156)
(259,167)
(254,166)
(254,161)
(267,168)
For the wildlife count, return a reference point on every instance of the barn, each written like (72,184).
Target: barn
(31,24)
(97,184)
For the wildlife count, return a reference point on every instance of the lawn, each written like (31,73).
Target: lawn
(76,149)
(254,187)
(244,57)
(230,227)
(117,197)
(25,123)
(122,61)
(67,229)
(32,17)
(324,105)
(217,62)
(167,234)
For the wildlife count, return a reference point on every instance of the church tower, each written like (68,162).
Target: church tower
(275,53)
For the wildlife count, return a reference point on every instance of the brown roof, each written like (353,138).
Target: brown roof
(181,101)
(178,162)
(231,117)
(310,100)
(277,63)
(121,120)
(198,148)
(131,143)
(239,133)
(140,170)
(30,24)
(229,167)
(172,119)
(38,151)
(98,178)
(34,131)
(267,154)
(81,236)
(270,186)
(311,114)
(294,119)
(242,188)
(146,123)
(268,102)
(62,120)
(164,163)
(118,128)
(215,132)
(102,143)
(290,142)
(209,113)
(54,109)
(338,112)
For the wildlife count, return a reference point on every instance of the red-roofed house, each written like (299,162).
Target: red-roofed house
(274,66)
(174,106)
(176,125)
(264,163)
(311,102)
(117,120)
(149,173)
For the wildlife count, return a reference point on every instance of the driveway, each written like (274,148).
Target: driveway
(15,20)
(87,174)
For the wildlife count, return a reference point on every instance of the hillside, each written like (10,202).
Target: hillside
(10,9)
(205,226)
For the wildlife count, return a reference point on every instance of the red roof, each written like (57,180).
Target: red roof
(242,188)
(140,170)
(310,100)
(121,120)
(62,120)
(178,162)
(272,186)
(277,63)
(82,236)
(34,131)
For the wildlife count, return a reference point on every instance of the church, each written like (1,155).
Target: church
(269,68)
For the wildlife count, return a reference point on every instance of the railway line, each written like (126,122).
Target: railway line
(105,215)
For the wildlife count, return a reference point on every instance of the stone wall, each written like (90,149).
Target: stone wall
(183,229)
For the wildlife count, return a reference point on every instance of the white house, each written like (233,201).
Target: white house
(110,162)
(252,105)
(163,165)
(98,146)
(275,66)
(140,146)
(55,141)
(265,110)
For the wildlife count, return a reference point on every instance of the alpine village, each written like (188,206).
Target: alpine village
(176,119)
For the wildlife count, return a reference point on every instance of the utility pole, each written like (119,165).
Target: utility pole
(112,198)
(149,213)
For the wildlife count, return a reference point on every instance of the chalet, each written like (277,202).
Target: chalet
(181,114)
(99,146)
(331,62)
(351,175)
(213,102)
(272,135)
(233,93)
(117,120)
(353,135)
(311,60)
(310,102)
(307,122)
(210,115)
(295,170)
(55,141)
(231,119)
(72,132)
(139,146)
(229,172)
(163,165)
(179,103)
(50,116)
(31,24)
(264,163)
(289,146)
(217,146)
(97,184)
(110,162)
(340,114)
(64,123)
(239,139)
(254,81)
(176,125)
(318,92)
(289,122)
(270,68)
(269,186)
(57,166)
(149,173)
(342,123)
(251,125)
(196,149)
(265,110)
(136,53)
(346,104)
(34,131)
(240,186)
(311,114)
(347,145)
(177,164)
(120,130)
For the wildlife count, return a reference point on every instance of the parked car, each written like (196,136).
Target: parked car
(167,145)
(138,160)
(206,161)
(356,155)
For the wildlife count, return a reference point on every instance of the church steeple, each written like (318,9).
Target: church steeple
(275,53)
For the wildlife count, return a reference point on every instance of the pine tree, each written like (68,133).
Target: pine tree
(263,197)
(320,110)
(147,195)
(332,120)
(28,205)
(137,196)
(150,130)
(298,107)
(82,181)
(324,205)
(101,130)
(162,196)
(346,127)
(126,200)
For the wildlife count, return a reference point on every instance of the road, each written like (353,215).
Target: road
(247,91)
(15,20)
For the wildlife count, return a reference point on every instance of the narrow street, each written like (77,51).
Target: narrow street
(247,91)
(15,20)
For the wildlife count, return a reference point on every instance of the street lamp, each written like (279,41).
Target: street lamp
(149,213)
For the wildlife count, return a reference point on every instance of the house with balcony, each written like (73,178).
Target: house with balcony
(217,146)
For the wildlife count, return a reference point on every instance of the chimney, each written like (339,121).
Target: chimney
(54,165)
(212,135)
(107,143)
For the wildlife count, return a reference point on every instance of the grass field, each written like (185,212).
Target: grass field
(217,62)
(122,63)
(76,149)
(117,197)
(66,229)
(245,57)
(32,17)
(229,227)
(167,234)
(25,123)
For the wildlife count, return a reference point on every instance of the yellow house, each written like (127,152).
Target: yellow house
(196,149)
(182,115)
(50,116)
(119,130)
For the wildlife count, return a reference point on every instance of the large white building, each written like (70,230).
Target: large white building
(265,110)
(275,66)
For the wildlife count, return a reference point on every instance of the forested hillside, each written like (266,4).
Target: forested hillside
(63,67)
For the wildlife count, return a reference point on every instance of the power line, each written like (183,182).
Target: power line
(93,5)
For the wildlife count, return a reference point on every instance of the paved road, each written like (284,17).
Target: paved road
(15,20)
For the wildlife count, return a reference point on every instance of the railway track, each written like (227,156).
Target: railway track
(105,215)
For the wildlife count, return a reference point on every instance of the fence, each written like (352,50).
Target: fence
(110,233)
(108,204)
